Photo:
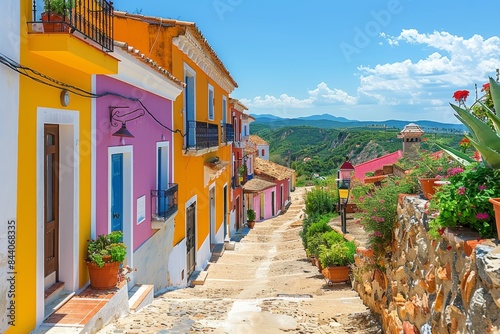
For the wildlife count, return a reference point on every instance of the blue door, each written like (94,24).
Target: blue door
(162,180)
(117,192)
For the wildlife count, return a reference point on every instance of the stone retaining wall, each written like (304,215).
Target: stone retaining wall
(448,285)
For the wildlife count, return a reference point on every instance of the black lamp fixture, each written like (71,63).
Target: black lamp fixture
(116,116)
(343,188)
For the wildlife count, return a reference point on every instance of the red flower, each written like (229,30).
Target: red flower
(486,87)
(464,141)
(448,247)
(477,156)
(461,95)
(441,231)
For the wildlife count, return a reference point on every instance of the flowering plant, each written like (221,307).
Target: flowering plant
(460,96)
(464,144)
(483,123)
(464,201)
(428,164)
(378,212)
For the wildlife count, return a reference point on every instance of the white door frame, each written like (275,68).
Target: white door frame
(128,193)
(69,198)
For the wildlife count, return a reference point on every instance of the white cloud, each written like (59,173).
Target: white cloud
(269,101)
(321,95)
(455,63)
(421,84)
(324,95)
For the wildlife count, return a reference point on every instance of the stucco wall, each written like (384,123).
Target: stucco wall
(147,133)
(151,259)
(9,95)
(446,285)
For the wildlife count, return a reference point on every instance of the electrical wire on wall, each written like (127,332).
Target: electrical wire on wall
(49,81)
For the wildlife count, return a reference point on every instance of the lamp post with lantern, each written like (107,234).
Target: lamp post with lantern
(343,188)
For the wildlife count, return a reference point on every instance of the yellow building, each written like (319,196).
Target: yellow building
(202,147)
(55,151)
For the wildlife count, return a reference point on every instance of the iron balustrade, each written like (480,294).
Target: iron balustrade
(91,18)
(205,135)
(164,202)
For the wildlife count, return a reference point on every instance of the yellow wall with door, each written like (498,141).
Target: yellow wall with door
(188,170)
(33,95)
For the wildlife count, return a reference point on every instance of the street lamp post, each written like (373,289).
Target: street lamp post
(343,188)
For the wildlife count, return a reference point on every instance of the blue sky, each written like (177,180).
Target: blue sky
(363,60)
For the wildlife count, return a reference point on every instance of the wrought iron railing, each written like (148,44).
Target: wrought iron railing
(164,202)
(228,133)
(91,18)
(205,135)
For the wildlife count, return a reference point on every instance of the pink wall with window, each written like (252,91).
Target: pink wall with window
(147,133)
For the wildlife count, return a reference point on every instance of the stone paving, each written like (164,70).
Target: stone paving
(266,285)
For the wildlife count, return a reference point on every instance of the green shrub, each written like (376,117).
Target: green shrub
(320,201)
(338,254)
(319,222)
(314,242)
(331,237)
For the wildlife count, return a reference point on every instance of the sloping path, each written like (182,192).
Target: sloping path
(266,285)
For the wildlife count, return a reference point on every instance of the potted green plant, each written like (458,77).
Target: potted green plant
(336,260)
(251,218)
(56,13)
(105,254)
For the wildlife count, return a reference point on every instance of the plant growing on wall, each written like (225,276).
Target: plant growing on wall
(378,213)
(464,201)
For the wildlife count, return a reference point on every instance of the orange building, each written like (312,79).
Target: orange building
(202,139)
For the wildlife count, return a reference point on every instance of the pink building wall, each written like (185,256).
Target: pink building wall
(146,134)
(267,209)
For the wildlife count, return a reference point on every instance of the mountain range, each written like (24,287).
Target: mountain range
(330,121)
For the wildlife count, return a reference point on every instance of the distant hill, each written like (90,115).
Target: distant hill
(325,117)
(327,121)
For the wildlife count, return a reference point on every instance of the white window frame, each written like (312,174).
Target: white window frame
(211,104)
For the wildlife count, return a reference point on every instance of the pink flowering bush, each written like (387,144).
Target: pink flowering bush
(464,201)
(378,212)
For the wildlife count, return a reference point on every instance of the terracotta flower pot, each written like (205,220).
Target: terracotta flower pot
(318,263)
(428,187)
(54,23)
(496,207)
(103,278)
(337,274)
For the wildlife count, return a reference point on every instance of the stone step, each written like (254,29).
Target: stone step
(198,277)
(218,249)
(139,296)
(230,245)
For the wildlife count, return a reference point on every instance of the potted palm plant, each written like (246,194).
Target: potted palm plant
(105,254)
(251,218)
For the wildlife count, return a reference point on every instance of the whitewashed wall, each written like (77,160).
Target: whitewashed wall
(9,97)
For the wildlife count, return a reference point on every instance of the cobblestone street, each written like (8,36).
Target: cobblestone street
(264,285)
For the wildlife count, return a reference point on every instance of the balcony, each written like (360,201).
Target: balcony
(89,19)
(163,205)
(202,136)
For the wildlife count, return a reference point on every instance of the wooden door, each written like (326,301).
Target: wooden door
(51,199)
(191,237)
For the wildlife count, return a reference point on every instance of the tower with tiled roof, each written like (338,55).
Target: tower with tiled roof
(412,137)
